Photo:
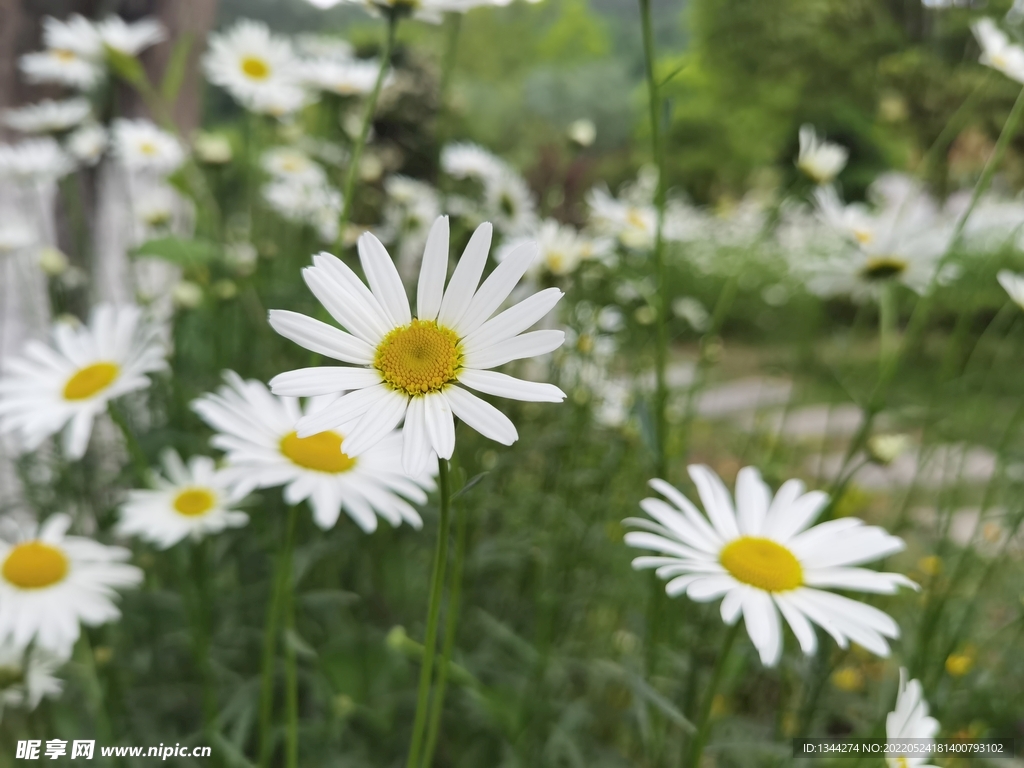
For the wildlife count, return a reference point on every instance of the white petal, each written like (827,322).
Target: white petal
(440,424)
(715,497)
(710,588)
(518,347)
(497,287)
(346,409)
(732,606)
(503,385)
(788,522)
(382,275)
(433,271)
(762,622)
(679,527)
(801,627)
(320,337)
(364,321)
(481,416)
(752,500)
(513,320)
(415,443)
(76,435)
(466,277)
(788,493)
(385,415)
(861,579)
(690,512)
(323,380)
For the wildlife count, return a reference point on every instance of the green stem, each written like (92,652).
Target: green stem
(282,576)
(201,618)
(661,323)
(704,723)
(887,322)
(87,659)
(450,622)
(364,131)
(138,456)
(433,614)
(291,689)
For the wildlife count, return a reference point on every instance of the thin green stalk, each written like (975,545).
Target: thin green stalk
(433,614)
(84,652)
(291,685)
(704,723)
(661,322)
(282,577)
(138,456)
(202,617)
(364,131)
(887,322)
(450,623)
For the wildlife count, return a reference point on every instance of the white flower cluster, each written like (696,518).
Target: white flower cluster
(299,190)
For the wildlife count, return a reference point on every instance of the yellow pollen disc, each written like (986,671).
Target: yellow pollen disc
(419,358)
(64,55)
(635,219)
(883,267)
(762,563)
(148,148)
(863,236)
(90,380)
(255,68)
(34,565)
(321,452)
(193,502)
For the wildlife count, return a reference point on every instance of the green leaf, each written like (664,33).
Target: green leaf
(176,250)
(469,486)
(174,74)
(293,640)
(126,67)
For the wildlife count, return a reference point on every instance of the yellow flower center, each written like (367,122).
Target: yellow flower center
(863,236)
(193,502)
(635,218)
(64,55)
(883,268)
(256,68)
(90,380)
(149,149)
(762,563)
(321,452)
(34,565)
(999,61)
(419,358)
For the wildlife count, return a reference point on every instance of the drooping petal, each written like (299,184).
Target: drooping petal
(502,385)
(481,416)
(440,424)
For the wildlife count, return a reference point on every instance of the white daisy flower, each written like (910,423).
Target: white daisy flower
(316,204)
(16,235)
(425,10)
(142,146)
(345,78)
(470,161)
(764,559)
(34,160)
(910,720)
(329,47)
(997,51)
(72,382)
(509,202)
(130,39)
(191,500)
(50,583)
(1013,284)
(252,64)
(411,368)
(48,116)
(87,144)
(60,67)
(821,160)
(562,248)
(292,165)
(281,100)
(27,676)
(411,209)
(258,433)
(633,224)
(77,35)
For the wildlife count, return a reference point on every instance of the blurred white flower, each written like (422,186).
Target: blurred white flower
(71,383)
(885,449)
(692,311)
(186,294)
(142,146)
(281,100)
(910,720)
(410,210)
(87,144)
(15,235)
(764,559)
(60,67)
(632,224)
(258,68)
(821,160)
(582,132)
(34,160)
(316,204)
(997,51)
(470,161)
(345,78)
(330,47)
(187,501)
(28,676)
(212,148)
(258,433)
(562,247)
(509,203)
(155,205)
(425,10)
(51,582)
(1013,284)
(77,35)
(131,39)
(48,116)
(53,261)
(292,165)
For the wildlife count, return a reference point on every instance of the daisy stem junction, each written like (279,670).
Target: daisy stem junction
(364,131)
(282,577)
(433,615)
(704,721)
(450,623)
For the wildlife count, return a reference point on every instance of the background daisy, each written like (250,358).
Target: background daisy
(142,146)
(910,720)
(190,500)
(51,582)
(257,431)
(29,676)
(763,559)
(72,382)
(252,64)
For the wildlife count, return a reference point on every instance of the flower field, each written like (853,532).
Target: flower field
(547,384)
